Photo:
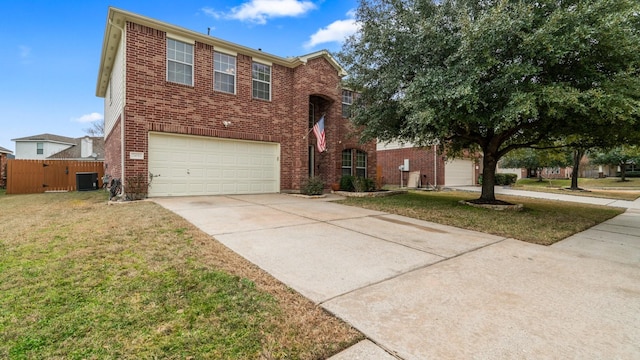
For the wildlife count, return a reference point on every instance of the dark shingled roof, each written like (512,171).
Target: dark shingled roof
(48,137)
(75,151)
(6,151)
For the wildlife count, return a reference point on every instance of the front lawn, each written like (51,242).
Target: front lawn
(80,279)
(541,222)
(610,188)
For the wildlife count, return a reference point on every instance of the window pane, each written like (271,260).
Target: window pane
(224,82)
(347,97)
(347,162)
(361,163)
(225,69)
(180,62)
(347,100)
(261,75)
(260,90)
(361,159)
(346,110)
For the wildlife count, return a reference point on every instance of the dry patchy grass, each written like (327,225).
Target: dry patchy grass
(81,279)
(541,222)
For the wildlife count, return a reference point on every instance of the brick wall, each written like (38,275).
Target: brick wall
(420,159)
(315,79)
(153,104)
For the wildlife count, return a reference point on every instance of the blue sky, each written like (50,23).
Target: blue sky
(51,49)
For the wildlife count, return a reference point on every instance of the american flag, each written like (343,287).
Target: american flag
(318,131)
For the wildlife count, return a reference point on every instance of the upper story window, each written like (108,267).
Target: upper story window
(347,101)
(39,148)
(261,75)
(179,62)
(312,115)
(224,69)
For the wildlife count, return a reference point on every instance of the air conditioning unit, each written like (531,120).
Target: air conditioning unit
(86,181)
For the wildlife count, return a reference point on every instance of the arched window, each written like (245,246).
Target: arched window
(354,162)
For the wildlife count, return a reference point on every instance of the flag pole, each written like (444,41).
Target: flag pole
(308,132)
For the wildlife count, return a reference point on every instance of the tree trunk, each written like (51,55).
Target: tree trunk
(489,164)
(623,171)
(577,156)
(539,172)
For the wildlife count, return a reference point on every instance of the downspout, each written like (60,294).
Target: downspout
(124,101)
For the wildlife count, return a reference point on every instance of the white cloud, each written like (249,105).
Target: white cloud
(258,11)
(212,12)
(87,118)
(337,31)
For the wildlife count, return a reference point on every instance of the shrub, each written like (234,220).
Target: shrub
(502,179)
(629,174)
(346,183)
(313,186)
(506,179)
(361,184)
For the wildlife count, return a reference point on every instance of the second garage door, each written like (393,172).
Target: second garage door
(195,165)
(458,172)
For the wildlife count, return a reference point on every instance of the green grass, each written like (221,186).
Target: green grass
(83,280)
(610,188)
(631,183)
(541,222)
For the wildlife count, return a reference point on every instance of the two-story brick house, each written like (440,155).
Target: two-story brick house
(202,116)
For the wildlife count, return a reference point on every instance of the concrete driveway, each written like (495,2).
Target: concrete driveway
(420,290)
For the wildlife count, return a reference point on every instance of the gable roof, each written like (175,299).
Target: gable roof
(117,19)
(49,138)
(327,55)
(5,151)
(75,151)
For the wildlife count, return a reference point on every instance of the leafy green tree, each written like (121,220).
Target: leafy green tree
(620,156)
(536,159)
(494,75)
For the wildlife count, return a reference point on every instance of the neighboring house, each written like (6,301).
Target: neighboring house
(435,169)
(4,156)
(199,115)
(547,172)
(51,147)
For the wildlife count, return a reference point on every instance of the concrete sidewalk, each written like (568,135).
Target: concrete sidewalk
(553,196)
(420,290)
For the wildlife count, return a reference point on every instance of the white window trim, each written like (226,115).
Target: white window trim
(184,39)
(264,82)
(225,51)
(193,60)
(235,74)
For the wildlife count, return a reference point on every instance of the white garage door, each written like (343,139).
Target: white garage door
(195,165)
(458,172)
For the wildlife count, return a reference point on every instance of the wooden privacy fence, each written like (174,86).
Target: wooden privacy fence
(38,176)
